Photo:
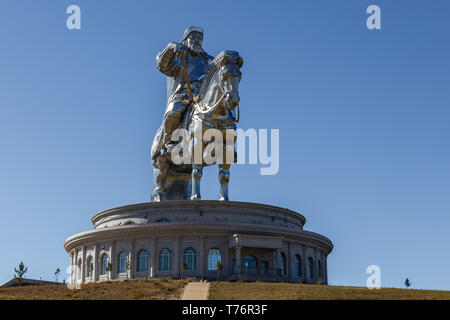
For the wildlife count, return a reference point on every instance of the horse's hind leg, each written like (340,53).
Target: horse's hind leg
(224,178)
(197,173)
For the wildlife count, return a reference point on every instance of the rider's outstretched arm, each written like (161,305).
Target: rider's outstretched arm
(167,61)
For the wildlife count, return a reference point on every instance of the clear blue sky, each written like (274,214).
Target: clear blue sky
(364,119)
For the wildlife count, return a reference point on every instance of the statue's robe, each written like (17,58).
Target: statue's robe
(170,64)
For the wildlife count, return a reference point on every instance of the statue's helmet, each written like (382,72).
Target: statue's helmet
(190,30)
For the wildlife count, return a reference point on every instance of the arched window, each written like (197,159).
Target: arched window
(142,261)
(90,267)
(319,266)
(310,268)
(298,270)
(165,260)
(213,258)
(122,262)
(190,258)
(249,265)
(283,266)
(79,269)
(104,263)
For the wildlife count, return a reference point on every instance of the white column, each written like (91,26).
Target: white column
(201,257)
(72,266)
(316,265)
(176,259)
(153,257)
(112,259)
(205,257)
(238,260)
(279,271)
(305,265)
(290,262)
(225,262)
(132,258)
(76,267)
(274,263)
(95,262)
(83,264)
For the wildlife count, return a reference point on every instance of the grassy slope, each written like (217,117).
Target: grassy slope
(161,289)
(288,291)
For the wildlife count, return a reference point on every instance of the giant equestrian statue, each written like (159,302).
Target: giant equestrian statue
(202,94)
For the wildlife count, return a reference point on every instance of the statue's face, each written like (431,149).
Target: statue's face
(194,42)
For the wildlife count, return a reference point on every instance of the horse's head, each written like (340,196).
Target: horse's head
(220,87)
(229,76)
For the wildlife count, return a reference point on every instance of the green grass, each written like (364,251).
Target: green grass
(291,291)
(157,289)
(171,289)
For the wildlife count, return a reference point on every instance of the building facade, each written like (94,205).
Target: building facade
(223,240)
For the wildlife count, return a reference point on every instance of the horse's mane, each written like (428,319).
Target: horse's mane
(212,70)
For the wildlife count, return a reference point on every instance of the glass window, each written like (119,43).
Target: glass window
(249,265)
(190,258)
(297,266)
(310,268)
(79,269)
(142,261)
(123,259)
(283,263)
(234,266)
(165,260)
(319,265)
(104,263)
(264,268)
(90,267)
(213,258)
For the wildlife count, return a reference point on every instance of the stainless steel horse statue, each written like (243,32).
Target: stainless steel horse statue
(206,135)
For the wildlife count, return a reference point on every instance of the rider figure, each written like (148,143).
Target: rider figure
(169,62)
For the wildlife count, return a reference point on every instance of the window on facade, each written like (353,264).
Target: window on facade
(310,268)
(319,266)
(264,268)
(90,267)
(104,263)
(234,266)
(283,263)
(142,261)
(79,269)
(123,260)
(213,258)
(165,260)
(249,265)
(297,266)
(190,258)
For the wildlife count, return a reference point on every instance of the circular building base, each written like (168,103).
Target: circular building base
(228,240)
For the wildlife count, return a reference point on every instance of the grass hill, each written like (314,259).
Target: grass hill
(171,289)
(298,291)
(158,289)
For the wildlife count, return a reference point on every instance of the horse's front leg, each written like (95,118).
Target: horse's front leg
(197,169)
(197,172)
(224,178)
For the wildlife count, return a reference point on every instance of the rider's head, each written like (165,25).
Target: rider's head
(193,38)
